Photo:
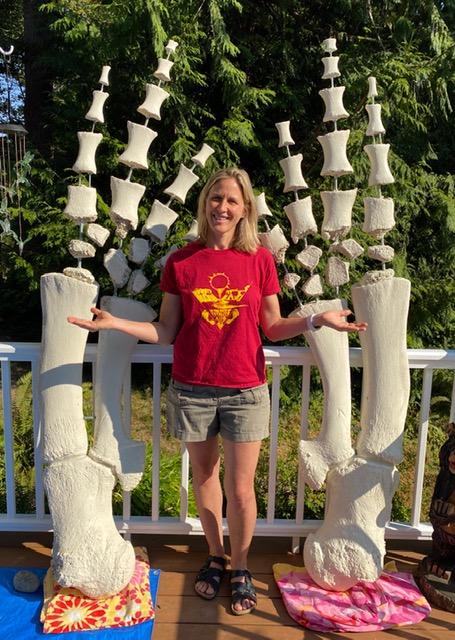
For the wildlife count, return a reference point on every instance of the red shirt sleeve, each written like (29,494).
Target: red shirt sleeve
(168,282)
(271,283)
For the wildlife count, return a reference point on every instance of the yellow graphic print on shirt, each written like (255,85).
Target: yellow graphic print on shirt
(220,297)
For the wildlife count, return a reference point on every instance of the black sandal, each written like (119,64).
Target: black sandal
(211,575)
(241,591)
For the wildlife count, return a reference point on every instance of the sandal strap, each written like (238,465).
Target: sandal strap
(218,559)
(212,575)
(242,590)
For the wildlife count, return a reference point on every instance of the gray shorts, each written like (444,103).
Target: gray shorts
(196,413)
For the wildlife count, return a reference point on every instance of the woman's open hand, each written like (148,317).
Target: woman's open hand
(338,320)
(102,320)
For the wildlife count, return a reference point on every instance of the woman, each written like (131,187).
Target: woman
(217,292)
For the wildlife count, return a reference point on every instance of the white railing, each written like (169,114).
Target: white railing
(156,356)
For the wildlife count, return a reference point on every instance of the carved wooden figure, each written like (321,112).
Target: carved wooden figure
(437,571)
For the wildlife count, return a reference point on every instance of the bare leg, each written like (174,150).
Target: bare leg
(205,465)
(240,466)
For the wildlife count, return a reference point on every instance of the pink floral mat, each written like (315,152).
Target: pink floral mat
(392,600)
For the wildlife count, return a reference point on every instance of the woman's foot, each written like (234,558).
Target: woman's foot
(208,580)
(243,593)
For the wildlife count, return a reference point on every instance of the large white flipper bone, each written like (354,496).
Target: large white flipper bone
(385,387)
(62,354)
(350,545)
(330,349)
(88,552)
(112,443)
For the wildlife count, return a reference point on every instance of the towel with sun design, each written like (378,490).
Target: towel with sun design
(67,609)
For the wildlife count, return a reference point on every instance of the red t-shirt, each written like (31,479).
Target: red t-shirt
(219,343)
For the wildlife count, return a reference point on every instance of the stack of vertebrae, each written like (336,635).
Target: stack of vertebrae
(81,205)
(155,229)
(162,217)
(379,211)
(300,215)
(126,195)
(349,546)
(337,204)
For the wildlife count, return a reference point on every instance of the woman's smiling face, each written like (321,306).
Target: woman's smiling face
(224,208)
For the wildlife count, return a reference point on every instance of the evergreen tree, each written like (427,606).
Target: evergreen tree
(240,67)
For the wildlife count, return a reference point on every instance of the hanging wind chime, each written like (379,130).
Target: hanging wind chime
(12,156)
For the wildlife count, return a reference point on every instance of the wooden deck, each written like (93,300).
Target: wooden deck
(181,615)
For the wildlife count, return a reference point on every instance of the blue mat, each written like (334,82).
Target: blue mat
(19,614)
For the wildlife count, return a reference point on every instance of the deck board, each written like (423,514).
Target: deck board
(181,615)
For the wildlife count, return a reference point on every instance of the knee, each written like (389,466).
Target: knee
(240,495)
(203,473)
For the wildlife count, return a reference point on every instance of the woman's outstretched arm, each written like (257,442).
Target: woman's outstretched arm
(277,328)
(163,331)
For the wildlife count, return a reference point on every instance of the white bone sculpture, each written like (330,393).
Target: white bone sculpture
(159,221)
(81,205)
(330,67)
(89,553)
(203,155)
(331,351)
(154,98)
(300,214)
(336,162)
(140,138)
(293,173)
(96,113)
(88,144)
(349,546)
(185,179)
(126,196)
(284,133)
(333,100)
(104,77)
(337,213)
(192,232)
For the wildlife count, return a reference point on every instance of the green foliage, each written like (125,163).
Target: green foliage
(23,445)
(170,473)
(240,67)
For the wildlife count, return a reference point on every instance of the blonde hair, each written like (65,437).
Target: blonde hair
(246,236)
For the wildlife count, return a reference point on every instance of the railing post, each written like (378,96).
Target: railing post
(126,415)
(8,440)
(184,484)
(156,441)
(273,443)
(37,444)
(421,447)
(300,505)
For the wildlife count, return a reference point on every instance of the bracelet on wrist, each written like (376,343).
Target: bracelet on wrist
(311,325)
